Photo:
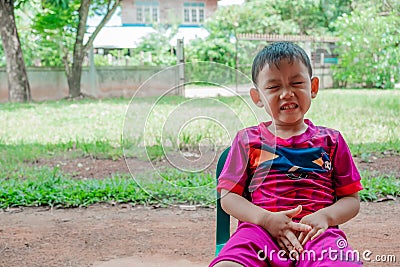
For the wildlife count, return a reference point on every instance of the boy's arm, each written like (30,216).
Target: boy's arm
(339,212)
(278,224)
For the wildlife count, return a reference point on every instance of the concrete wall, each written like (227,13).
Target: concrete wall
(46,84)
(102,82)
(117,81)
(324,73)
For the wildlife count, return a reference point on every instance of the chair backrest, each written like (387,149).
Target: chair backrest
(223,219)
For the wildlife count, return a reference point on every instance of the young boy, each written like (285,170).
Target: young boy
(288,182)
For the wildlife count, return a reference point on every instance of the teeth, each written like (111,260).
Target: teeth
(291,106)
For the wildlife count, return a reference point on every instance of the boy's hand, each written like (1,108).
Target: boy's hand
(319,223)
(282,228)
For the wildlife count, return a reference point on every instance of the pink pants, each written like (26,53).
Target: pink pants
(252,246)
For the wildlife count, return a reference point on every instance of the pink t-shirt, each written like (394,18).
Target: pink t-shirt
(310,169)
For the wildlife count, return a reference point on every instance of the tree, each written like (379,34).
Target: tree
(221,46)
(308,17)
(369,47)
(64,24)
(18,84)
(251,17)
(157,45)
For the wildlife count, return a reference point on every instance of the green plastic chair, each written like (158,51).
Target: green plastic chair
(223,219)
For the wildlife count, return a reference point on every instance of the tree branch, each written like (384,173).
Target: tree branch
(108,5)
(103,22)
(387,3)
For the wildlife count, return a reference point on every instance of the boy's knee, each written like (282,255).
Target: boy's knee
(228,264)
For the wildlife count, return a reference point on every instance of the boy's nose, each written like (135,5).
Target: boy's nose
(286,92)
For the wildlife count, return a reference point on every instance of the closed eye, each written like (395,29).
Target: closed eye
(272,87)
(298,83)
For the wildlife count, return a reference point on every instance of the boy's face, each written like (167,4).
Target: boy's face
(285,93)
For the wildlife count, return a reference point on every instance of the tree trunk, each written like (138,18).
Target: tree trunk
(75,73)
(74,77)
(18,84)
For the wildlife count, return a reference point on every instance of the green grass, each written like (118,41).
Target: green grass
(36,186)
(368,119)
(378,186)
(14,153)
(27,186)
(86,121)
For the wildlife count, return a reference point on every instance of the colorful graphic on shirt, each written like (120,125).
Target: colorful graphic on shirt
(296,162)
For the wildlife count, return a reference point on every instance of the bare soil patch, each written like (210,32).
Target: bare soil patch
(80,168)
(100,233)
(147,236)
(384,164)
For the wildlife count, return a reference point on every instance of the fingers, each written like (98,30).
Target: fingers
(306,237)
(294,242)
(293,212)
(291,251)
(303,238)
(290,242)
(283,246)
(318,233)
(299,227)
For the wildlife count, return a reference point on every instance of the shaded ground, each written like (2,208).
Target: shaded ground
(100,168)
(153,237)
(144,236)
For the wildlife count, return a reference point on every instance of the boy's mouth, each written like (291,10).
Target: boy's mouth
(289,106)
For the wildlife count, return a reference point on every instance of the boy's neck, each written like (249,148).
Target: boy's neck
(285,131)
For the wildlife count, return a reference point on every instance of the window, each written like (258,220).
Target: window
(194,15)
(193,12)
(201,15)
(186,15)
(155,14)
(147,12)
(139,14)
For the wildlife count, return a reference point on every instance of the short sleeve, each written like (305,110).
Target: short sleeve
(346,178)
(234,175)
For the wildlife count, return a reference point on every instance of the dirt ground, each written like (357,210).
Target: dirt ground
(106,235)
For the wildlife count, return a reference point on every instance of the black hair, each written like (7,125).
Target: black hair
(274,53)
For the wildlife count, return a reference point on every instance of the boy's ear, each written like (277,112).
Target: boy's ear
(255,96)
(314,87)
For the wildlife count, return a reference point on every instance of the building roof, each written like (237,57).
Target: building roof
(189,33)
(120,37)
(130,36)
(117,35)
